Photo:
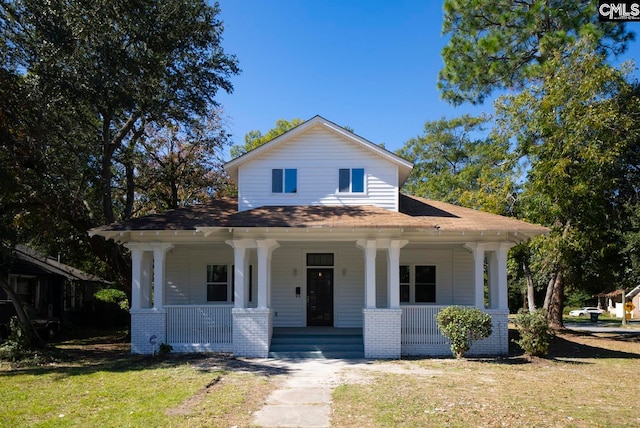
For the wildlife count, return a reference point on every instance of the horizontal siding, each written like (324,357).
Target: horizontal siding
(463,277)
(349,288)
(289,310)
(317,155)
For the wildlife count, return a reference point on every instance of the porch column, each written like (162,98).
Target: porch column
(494,285)
(159,252)
(241,275)
(370,249)
(265,250)
(393,272)
(501,261)
(478,249)
(141,265)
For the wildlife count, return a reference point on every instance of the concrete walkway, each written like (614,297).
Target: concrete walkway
(304,400)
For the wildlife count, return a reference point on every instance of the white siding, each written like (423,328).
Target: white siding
(289,309)
(318,155)
(463,277)
(349,288)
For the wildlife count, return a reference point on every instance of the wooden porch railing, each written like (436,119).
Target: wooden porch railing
(207,324)
(419,326)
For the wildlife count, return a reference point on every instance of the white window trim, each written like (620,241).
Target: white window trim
(283,193)
(350,192)
(412,283)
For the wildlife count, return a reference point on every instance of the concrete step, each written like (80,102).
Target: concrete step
(325,338)
(301,355)
(325,347)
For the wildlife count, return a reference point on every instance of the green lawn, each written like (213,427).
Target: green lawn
(101,385)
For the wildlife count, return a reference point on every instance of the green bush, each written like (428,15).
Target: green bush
(535,334)
(164,349)
(113,295)
(18,344)
(462,326)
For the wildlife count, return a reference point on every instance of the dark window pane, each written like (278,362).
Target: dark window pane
(276,180)
(425,274)
(357,180)
(404,274)
(216,292)
(320,259)
(290,180)
(343,186)
(404,292)
(217,273)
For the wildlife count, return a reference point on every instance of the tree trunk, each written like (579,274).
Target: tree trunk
(557,303)
(531,303)
(549,293)
(23,317)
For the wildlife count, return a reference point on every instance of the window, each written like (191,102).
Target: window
(217,283)
(320,259)
(423,284)
(284,180)
(351,180)
(405,283)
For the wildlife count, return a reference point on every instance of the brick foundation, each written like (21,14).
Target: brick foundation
(382,332)
(252,330)
(146,323)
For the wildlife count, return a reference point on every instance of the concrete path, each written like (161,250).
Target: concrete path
(304,400)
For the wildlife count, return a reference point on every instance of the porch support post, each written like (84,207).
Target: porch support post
(393,273)
(503,288)
(494,284)
(478,248)
(370,248)
(241,275)
(265,250)
(159,252)
(136,278)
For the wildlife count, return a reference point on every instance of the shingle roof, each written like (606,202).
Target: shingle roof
(414,213)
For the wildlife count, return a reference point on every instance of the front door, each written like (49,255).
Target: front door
(319,297)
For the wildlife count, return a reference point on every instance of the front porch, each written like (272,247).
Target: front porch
(207,328)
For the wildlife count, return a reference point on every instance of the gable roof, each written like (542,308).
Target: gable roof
(415,213)
(52,266)
(404,166)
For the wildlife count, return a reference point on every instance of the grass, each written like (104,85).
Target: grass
(586,382)
(97,382)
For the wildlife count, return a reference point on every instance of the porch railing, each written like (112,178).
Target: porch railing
(419,326)
(207,324)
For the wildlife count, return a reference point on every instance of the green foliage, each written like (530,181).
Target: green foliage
(462,326)
(164,349)
(503,44)
(113,295)
(454,161)
(578,298)
(535,334)
(254,139)
(18,345)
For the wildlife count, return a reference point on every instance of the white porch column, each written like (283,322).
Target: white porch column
(370,249)
(241,274)
(503,288)
(494,284)
(159,252)
(393,272)
(478,248)
(265,250)
(136,278)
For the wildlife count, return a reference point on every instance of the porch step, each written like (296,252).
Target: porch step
(298,343)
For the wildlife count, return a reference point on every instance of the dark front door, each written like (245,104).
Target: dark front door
(319,297)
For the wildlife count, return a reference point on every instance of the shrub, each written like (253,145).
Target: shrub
(18,344)
(462,326)
(164,349)
(113,295)
(535,334)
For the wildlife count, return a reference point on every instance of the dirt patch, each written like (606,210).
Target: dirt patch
(186,408)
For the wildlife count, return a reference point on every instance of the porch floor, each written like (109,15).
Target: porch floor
(316,342)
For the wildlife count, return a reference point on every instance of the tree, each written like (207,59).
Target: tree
(110,68)
(177,166)
(456,162)
(502,44)
(255,138)
(576,128)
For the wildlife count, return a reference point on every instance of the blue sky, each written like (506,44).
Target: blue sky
(371,65)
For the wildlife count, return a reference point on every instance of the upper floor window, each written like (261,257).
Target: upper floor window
(351,180)
(284,180)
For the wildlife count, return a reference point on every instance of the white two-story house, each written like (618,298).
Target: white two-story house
(319,235)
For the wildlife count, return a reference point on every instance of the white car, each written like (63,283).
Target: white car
(586,311)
